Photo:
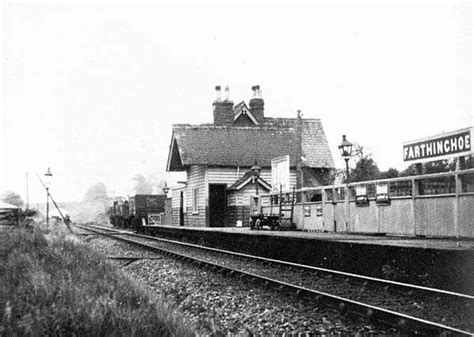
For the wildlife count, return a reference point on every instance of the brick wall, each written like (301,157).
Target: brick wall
(223,113)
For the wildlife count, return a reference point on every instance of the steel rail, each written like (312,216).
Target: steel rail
(303,266)
(379,314)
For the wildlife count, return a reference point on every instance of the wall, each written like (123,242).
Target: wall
(175,200)
(168,217)
(440,215)
(228,175)
(196,178)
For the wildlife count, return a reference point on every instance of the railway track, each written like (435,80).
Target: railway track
(350,293)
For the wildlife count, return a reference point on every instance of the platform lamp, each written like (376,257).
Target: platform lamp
(256,174)
(47,183)
(346,152)
(166,189)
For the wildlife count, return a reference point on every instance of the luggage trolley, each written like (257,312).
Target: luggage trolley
(275,221)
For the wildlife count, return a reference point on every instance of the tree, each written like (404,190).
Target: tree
(366,168)
(468,162)
(390,173)
(142,185)
(97,192)
(437,166)
(12,198)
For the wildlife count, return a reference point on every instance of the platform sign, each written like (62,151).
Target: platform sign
(382,194)
(443,146)
(281,174)
(361,196)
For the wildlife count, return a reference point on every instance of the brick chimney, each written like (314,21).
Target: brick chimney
(256,104)
(223,109)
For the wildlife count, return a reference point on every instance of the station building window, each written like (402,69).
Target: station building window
(195,200)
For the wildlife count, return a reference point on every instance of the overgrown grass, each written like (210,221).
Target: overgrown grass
(59,287)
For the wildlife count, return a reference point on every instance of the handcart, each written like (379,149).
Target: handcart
(275,221)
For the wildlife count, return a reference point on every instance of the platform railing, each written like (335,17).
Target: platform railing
(155,219)
(438,205)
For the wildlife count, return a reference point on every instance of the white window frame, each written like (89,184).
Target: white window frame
(195,205)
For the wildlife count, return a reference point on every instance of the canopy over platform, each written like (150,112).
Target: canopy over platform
(4,205)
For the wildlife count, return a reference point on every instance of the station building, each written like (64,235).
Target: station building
(217,159)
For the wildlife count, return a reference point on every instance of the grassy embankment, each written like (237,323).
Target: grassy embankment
(59,287)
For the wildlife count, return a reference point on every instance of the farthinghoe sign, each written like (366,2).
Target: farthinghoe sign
(443,146)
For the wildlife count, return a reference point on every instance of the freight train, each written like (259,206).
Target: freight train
(136,211)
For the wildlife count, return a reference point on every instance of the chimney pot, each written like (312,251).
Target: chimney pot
(218,93)
(223,109)
(256,104)
(227,93)
(256,91)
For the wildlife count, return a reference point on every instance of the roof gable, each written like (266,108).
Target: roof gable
(242,109)
(246,179)
(174,157)
(244,120)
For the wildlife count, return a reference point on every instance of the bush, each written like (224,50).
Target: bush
(59,287)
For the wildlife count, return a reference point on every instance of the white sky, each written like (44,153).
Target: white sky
(91,90)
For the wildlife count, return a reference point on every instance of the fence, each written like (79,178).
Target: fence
(440,205)
(155,219)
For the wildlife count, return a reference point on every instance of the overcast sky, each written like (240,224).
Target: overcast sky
(92,89)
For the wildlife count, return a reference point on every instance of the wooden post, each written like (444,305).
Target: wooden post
(414,192)
(348,210)
(458,189)
(292,206)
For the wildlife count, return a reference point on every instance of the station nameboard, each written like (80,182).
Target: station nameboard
(281,174)
(444,146)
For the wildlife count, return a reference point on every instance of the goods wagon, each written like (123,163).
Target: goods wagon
(138,210)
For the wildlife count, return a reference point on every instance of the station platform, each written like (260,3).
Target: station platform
(385,240)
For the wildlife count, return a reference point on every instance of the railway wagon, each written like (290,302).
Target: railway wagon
(10,214)
(137,210)
(120,213)
(143,206)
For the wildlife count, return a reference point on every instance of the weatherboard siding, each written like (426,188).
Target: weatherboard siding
(229,175)
(224,175)
(196,178)
(200,177)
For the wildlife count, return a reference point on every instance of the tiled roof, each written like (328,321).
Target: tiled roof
(232,146)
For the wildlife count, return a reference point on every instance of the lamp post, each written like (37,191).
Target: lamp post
(166,189)
(47,183)
(346,152)
(256,174)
